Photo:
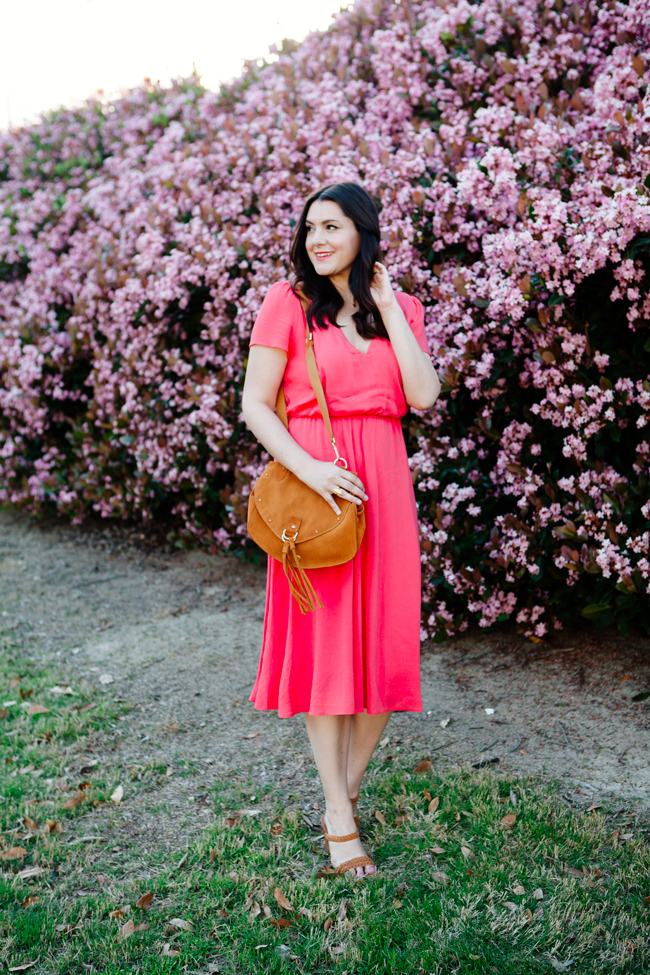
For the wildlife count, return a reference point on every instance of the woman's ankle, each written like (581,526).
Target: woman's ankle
(338,813)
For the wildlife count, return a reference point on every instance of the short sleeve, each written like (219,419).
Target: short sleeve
(274,323)
(414,313)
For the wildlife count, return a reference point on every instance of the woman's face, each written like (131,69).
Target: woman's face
(332,239)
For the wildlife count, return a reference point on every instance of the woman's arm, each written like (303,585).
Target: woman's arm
(264,374)
(419,378)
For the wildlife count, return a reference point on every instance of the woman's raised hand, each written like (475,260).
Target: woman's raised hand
(324,476)
(381,288)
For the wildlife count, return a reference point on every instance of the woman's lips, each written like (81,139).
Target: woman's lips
(322,257)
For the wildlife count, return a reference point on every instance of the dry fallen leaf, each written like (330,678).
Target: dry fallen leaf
(126,931)
(256,910)
(467,853)
(397,903)
(267,910)
(37,709)
(343,908)
(437,849)
(30,872)
(168,951)
(325,872)
(280,922)
(29,823)
(440,876)
(538,894)
(445,722)
(328,924)
(574,872)
(119,912)
(307,913)
(427,794)
(508,821)
(14,682)
(144,902)
(178,922)
(74,801)
(433,805)
(143,926)
(282,900)
(30,901)
(424,766)
(594,806)
(116,796)
(380,817)
(13,853)
(518,890)
(510,905)
(254,734)
(52,826)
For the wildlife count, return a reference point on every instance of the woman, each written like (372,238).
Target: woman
(347,665)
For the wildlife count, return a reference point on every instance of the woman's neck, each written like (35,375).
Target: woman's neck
(342,284)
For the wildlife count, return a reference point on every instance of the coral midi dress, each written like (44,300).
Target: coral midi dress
(361,651)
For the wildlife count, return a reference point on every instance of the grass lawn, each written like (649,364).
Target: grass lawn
(479,872)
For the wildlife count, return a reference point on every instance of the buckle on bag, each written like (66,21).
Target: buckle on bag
(338,456)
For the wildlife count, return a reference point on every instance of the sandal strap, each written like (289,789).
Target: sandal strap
(356,798)
(341,839)
(356,862)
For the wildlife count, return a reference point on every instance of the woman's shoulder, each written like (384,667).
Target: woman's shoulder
(282,293)
(408,302)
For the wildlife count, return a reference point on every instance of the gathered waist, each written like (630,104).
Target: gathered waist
(342,416)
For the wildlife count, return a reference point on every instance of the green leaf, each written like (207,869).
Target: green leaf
(594,611)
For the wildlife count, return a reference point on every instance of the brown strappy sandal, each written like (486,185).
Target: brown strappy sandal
(356,818)
(347,864)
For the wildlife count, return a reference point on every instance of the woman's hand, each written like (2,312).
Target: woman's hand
(324,476)
(381,288)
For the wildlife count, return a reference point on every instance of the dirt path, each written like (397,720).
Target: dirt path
(177,634)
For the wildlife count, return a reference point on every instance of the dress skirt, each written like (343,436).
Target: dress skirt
(361,651)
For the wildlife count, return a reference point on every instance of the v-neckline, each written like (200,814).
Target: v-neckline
(353,347)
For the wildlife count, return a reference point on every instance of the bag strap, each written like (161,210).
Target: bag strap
(316,384)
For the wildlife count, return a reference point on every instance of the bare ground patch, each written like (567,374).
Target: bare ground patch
(176,634)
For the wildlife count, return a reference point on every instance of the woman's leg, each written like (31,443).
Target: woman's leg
(365,732)
(330,735)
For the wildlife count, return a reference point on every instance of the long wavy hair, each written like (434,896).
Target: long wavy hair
(324,300)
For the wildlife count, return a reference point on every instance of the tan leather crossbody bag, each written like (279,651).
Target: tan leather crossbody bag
(294,524)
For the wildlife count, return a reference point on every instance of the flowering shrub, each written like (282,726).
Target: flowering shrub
(507,145)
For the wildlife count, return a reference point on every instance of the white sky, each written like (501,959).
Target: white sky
(59,52)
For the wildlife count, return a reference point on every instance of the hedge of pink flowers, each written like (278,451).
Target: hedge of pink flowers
(508,146)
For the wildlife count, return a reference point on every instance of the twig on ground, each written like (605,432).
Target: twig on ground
(437,748)
(563,732)
(486,747)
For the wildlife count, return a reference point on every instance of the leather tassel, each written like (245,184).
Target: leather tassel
(299,585)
